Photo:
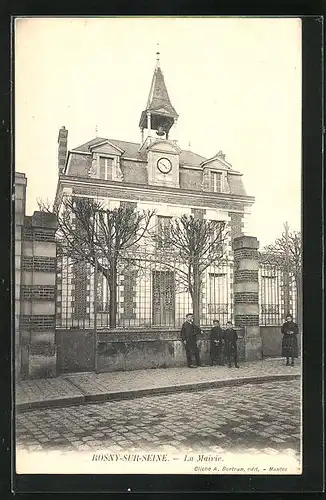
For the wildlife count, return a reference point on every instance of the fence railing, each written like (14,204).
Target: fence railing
(152,292)
(272,289)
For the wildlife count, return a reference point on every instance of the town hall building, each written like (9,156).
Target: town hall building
(155,174)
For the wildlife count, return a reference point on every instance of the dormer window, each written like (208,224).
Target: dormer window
(216,182)
(105,168)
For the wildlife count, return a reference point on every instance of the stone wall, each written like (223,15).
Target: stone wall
(37,297)
(127,350)
(75,350)
(271,339)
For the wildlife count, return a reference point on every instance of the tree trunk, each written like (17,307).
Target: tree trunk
(196,296)
(113,295)
(286,296)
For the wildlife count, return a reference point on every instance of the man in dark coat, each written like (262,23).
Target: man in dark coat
(230,338)
(217,344)
(290,332)
(189,333)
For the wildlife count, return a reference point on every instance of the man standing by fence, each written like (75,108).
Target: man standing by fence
(231,337)
(189,333)
(217,344)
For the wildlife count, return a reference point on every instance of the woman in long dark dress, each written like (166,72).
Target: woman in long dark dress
(290,332)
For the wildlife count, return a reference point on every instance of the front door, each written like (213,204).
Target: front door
(163,298)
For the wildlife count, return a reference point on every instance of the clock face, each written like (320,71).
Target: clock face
(164,165)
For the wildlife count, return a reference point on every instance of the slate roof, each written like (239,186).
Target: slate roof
(158,94)
(131,151)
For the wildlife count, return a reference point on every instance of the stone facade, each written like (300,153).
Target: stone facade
(35,292)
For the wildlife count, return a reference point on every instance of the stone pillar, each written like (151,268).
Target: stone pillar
(246,304)
(37,296)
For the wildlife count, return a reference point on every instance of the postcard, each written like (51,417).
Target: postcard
(158,276)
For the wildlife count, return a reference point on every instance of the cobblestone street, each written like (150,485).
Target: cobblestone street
(250,418)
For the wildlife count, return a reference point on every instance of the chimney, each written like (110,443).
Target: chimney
(62,148)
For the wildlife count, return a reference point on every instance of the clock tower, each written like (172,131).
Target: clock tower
(155,124)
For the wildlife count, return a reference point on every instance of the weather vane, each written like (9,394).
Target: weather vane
(158,53)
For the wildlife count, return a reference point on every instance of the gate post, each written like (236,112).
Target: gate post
(38,296)
(246,303)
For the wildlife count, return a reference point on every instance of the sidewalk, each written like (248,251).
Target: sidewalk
(78,388)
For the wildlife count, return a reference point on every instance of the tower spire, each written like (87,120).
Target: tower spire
(159,114)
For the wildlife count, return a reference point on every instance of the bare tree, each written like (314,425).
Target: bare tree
(286,254)
(195,244)
(89,232)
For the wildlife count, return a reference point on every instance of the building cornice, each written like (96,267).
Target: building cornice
(95,146)
(224,163)
(80,152)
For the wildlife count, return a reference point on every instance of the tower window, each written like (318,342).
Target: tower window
(105,168)
(216,184)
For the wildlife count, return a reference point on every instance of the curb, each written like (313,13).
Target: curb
(50,403)
(198,386)
(152,391)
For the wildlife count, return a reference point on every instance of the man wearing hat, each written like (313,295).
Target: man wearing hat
(217,344)
(188,334)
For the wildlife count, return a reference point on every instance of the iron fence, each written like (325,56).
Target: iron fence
(152,291)
(272,290)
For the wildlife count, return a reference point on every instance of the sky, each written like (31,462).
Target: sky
(235,83)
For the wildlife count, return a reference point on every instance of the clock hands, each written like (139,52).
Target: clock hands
(164,165)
